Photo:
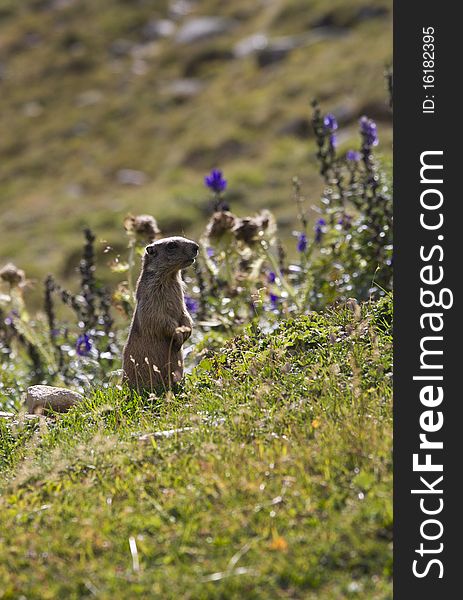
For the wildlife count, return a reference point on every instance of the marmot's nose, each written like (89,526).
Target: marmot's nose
(195,248)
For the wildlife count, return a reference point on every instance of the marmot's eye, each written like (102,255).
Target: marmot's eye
(172,245)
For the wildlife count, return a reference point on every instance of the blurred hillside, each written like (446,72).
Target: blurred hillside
(116,106)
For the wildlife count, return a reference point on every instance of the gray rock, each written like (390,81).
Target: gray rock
(88,98)
(202,28)
(182,89)
(347,16)
(276,51)
(157,29)
(32,109)
(180,8)
(131,177)
(120,48)
(250,45)
(43,398)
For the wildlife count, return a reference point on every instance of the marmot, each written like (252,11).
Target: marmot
(152,358)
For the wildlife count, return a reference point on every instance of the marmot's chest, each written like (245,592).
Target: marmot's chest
(172,307)
(157,311)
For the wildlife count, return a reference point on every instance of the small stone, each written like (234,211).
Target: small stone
(181,89)
(179,8)
(131,177)
(120,47)
(32,109)
(157,29)
(201,28)
(275,51)
(88,98)
(43,398)
(250,45)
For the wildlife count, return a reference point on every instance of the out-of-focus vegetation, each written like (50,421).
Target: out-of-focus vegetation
(115,106)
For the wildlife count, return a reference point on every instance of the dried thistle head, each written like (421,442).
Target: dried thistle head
(122,300)
(144,227)
(12,275)
(220,223)
(246,230)
(250,229)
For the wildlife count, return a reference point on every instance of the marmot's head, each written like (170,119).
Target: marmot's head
(169,255)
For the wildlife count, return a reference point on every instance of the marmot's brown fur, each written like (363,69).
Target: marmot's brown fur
(152,358)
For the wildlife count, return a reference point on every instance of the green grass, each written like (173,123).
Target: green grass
(59,155)
(275,484)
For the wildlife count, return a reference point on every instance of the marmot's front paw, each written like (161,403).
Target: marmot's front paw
(181,334)
(186,331)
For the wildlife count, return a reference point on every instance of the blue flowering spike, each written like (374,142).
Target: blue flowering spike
(353,156)
(345,221)
(369,132)
(274,299)
(215,181)
(330,123)
(83,345)
(319,225)
(302,242)
(191,304)
(271,277)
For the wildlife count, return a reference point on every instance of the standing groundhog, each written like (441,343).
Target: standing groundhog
(152,357)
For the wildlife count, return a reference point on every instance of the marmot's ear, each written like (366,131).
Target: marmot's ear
(151,250)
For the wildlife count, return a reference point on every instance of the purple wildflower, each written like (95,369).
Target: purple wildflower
(345,221)
(271,277)
(330,123)
(210,252)
(302,242)
(333,140)
(215,181)
(353,156)
(274,299)
(319,230)
(191,304)
(83,345)
(10,318)
(369,132)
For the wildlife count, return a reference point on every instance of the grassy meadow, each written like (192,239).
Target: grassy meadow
(267,476)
